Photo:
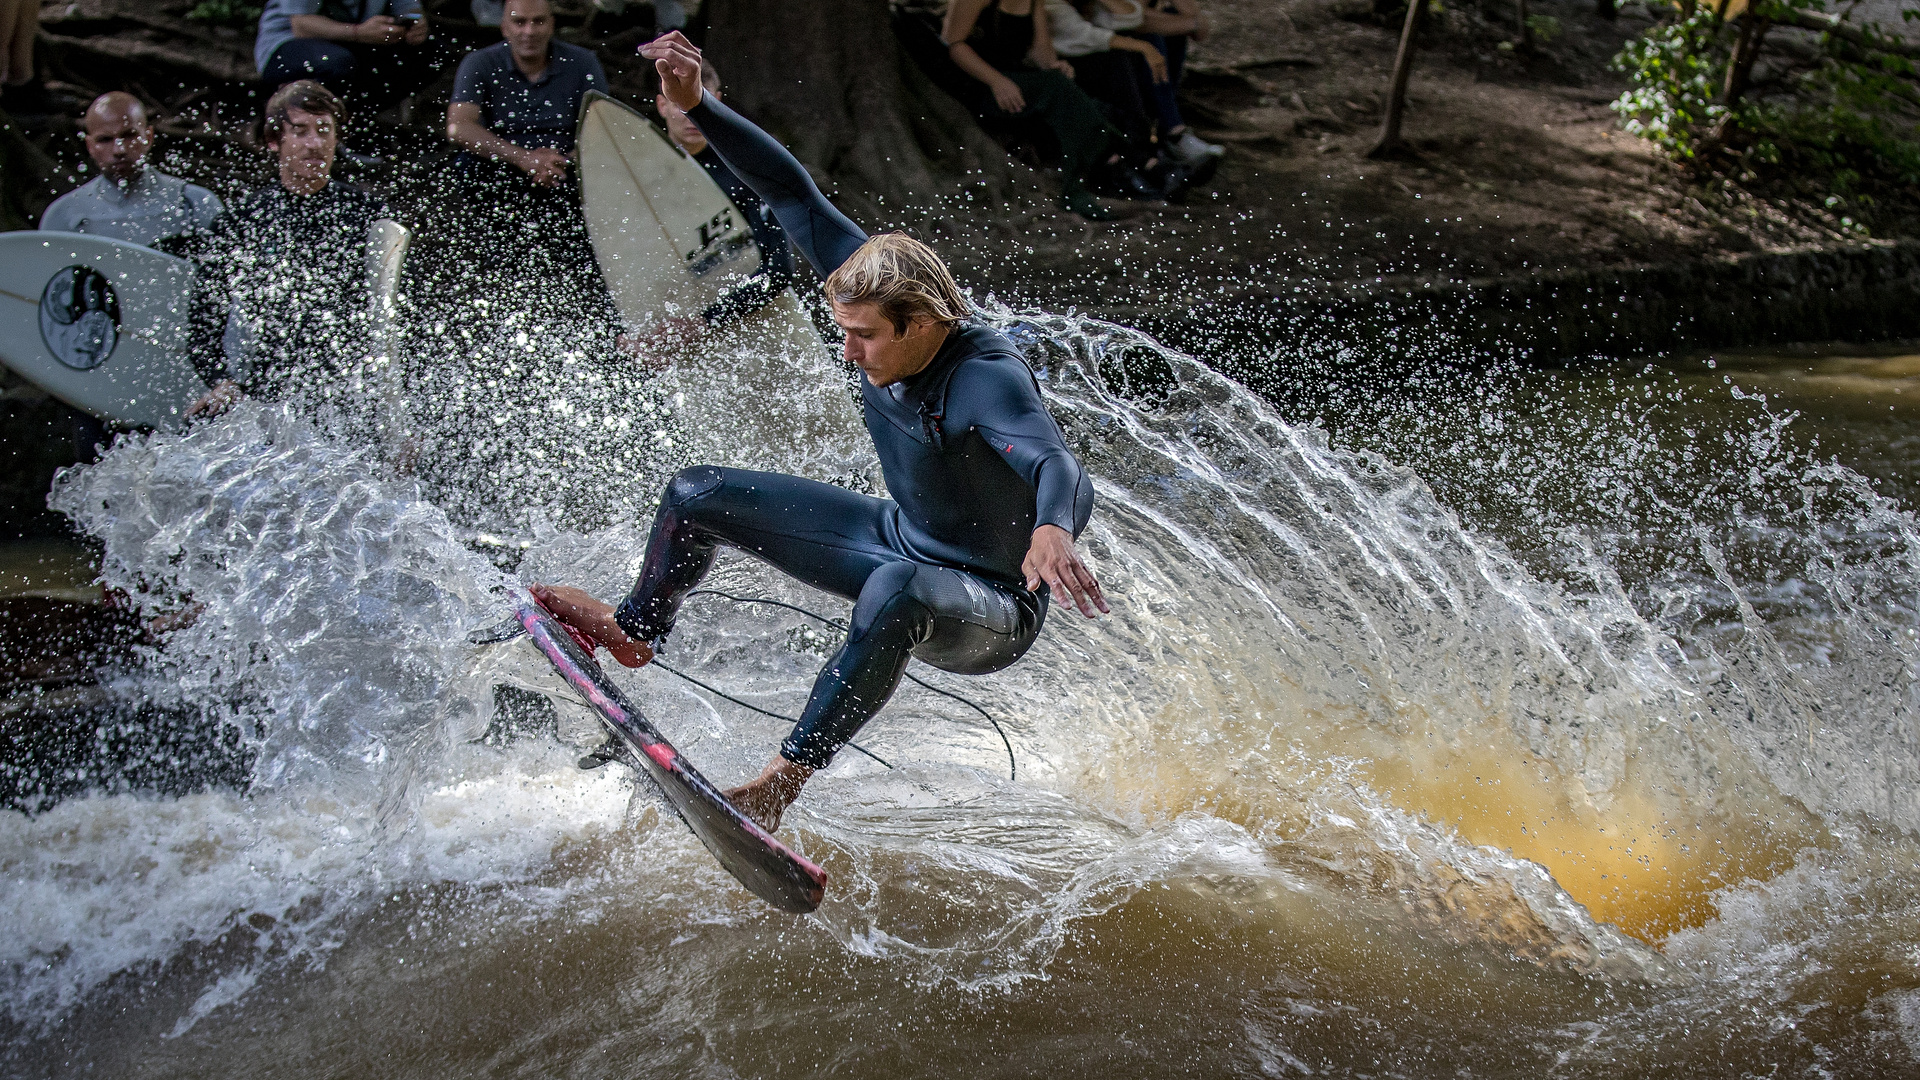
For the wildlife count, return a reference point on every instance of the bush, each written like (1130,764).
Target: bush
(1845,112)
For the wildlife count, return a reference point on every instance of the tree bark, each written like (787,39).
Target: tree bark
(1390,142)
(1753,28)
(1606,9)
(828,78)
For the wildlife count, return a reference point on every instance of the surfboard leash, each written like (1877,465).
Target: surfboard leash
(719,693)
(1013,768)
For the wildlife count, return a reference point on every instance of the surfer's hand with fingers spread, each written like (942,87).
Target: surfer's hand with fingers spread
(1051,561)
(215,401)
(579,610)
(678,62)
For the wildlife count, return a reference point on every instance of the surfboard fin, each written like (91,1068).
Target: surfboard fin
(493,635)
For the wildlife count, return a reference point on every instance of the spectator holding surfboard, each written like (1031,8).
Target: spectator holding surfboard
(128,201)
(281,298)
(957,568)
(676,336)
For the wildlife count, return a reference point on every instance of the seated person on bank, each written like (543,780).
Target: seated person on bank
(776,257)
(1005,50)
(281,299)
(1167,25)
(517,102)
(128,200)
(374,52)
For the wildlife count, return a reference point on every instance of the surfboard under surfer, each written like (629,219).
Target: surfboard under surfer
(958,567)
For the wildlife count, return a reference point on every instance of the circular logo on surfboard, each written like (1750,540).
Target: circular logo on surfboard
(80,317)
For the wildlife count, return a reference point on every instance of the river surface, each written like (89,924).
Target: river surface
(1495,722)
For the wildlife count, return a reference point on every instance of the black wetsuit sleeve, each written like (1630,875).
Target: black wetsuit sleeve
(824,235)
(776,258)
(209,251)
(1000,400)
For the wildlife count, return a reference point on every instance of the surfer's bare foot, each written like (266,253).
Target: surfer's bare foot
(578,609)
(767,796)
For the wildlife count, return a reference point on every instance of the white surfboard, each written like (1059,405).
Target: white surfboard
(669,242)
(386,250)
(100,324)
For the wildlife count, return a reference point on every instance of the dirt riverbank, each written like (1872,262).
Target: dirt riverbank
(1521,187)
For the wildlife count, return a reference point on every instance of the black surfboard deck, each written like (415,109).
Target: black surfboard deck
(769,869)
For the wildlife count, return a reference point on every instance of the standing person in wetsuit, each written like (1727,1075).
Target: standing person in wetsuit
(987,501)
(281,284)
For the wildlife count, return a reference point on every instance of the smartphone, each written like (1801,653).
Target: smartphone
(407,20)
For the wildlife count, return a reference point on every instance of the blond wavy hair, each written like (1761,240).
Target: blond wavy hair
(904,277)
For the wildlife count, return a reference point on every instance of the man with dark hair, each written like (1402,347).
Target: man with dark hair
(281,300)
(514,109)
(374,51)
(128,201)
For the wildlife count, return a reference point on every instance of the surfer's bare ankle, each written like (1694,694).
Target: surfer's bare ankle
(579,609)
(766,797)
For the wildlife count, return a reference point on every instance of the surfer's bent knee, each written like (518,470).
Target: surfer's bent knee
(691,483)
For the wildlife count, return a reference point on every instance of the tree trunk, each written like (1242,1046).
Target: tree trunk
(1525,39)
(1753,28)
(1390,143)
(1606,9)
(828,78)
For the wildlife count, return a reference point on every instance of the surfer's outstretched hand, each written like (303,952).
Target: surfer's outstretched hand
(578,609)
(678,62)
(1051,561)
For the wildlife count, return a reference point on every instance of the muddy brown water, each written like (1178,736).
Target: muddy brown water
(1543,723)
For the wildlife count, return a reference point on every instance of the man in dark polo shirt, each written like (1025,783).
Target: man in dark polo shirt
(517,101)
(513,113)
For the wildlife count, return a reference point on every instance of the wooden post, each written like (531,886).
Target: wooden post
(1390,143)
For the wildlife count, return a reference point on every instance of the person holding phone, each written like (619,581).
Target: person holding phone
(371,52)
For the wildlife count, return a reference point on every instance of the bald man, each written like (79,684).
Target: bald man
(128,201)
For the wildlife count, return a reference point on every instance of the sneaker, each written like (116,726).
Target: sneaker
(1127,182)
(1191,149)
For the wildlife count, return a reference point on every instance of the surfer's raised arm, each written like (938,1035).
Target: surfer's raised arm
(824,235)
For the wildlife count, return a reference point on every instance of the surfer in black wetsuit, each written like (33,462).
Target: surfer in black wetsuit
(281,278)
(958,567)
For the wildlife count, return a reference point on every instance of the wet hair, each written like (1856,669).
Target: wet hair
(307,96)
(904,277)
